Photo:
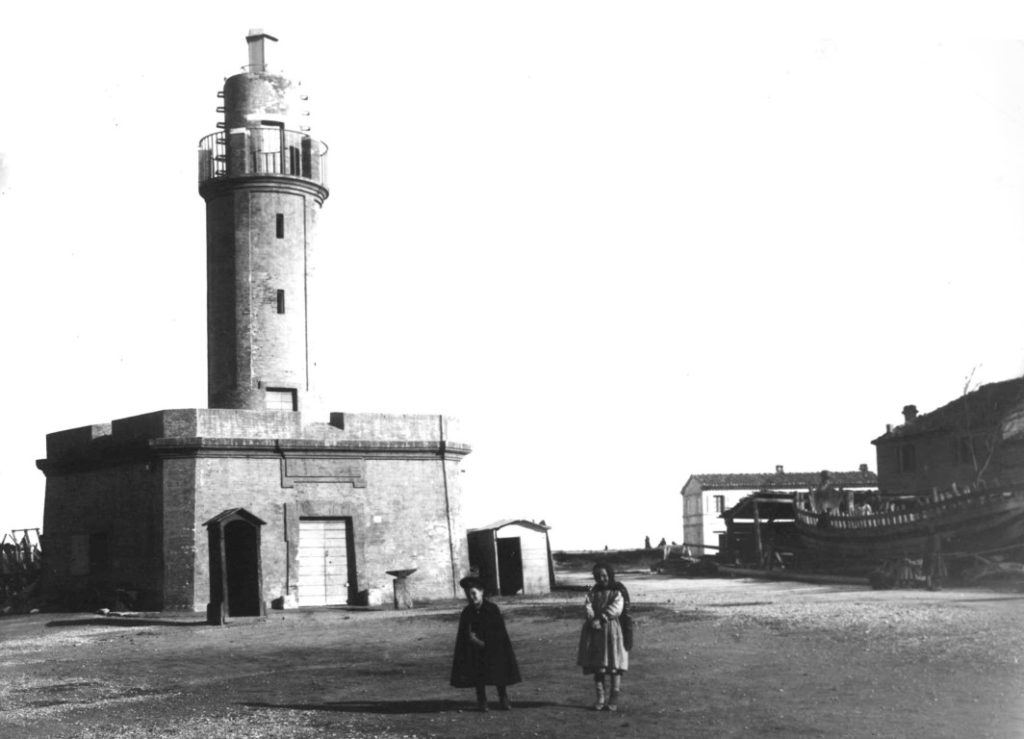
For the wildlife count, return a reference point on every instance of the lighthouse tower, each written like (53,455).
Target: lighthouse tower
(247,504)
(263,179)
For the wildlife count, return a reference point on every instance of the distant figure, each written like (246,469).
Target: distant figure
(662,542)
(826,496)
(483,651)
(606,547)
(647,542)
(602,649)
(933,566)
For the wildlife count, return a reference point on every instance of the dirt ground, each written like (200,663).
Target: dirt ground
(714,658)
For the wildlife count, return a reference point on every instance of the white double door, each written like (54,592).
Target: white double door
(323,562)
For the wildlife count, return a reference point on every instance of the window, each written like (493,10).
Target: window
(267,147)
(90,554)
(280,301)
(962,450)
(280,399)
(907,458)
(99,553)
(79,560)
(280,225)
(719,503)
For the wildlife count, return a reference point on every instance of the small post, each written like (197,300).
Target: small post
(403,599)
(757,534)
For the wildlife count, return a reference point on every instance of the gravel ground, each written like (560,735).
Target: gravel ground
(715,658)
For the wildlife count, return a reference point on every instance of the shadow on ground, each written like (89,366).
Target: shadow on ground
(401,707)
(105,621)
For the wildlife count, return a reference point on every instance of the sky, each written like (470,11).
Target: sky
(624,243)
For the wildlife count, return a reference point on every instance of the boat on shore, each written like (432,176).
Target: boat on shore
(954,522)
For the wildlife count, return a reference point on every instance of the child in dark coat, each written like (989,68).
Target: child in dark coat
(483,651)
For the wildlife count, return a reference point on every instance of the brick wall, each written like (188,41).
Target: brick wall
(936,465)
(119,503)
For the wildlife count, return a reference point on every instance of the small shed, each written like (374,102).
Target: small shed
(760,530)
(512,557)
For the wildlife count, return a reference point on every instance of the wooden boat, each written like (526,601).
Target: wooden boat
(964,522)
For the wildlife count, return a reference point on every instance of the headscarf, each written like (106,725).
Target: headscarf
(611,576)
(613,584)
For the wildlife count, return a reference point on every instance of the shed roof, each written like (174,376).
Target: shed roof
(770,504)
(235,513)
(509,521)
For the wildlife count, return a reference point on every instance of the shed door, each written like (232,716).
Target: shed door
(323,562)
(510,565)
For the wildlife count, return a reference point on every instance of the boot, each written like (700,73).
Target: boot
(613,701)
(503,701)
(599,693)
(481,700)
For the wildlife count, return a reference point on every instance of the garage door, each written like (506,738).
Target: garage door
(323,562)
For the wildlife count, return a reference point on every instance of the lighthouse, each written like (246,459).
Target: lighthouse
(262,176)
(265,498)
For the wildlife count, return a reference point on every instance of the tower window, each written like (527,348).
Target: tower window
(280,301)
(907,458)
(280,399)
(280,225)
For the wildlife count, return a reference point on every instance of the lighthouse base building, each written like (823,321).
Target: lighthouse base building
(336,506)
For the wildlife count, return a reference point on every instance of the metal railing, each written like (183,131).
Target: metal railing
(265,150)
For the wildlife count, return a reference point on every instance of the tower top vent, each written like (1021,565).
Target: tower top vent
(257,54)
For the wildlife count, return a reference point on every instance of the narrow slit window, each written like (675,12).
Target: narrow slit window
(280,225)
(280,301)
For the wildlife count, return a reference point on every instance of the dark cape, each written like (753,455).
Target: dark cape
(495,663)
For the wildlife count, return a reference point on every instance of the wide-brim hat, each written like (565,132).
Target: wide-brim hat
(472,582)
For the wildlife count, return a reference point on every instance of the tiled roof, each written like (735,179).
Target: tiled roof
(996,402)
(781,480)
(542,526)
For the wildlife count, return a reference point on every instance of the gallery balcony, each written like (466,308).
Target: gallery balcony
(262,150)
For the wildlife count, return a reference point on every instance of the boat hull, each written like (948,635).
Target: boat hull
(971,523)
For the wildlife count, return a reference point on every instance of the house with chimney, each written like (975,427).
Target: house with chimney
(707,496)
(974,440)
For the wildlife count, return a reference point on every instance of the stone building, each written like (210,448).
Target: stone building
(978,438)
(707,496)
(340,498)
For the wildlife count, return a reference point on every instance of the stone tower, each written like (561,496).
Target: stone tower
(263,179)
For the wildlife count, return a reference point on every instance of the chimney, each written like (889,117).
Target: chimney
(257,57)
(909,413)
(863,468)
(778,469)
(888,428)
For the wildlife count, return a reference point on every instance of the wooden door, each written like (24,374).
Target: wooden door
(323,562)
